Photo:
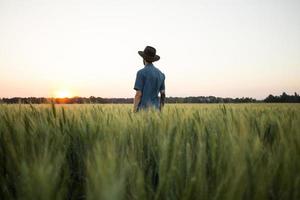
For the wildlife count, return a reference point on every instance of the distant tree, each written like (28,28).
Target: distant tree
(270,99)
(284,98)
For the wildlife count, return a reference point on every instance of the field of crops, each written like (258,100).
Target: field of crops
(242,151)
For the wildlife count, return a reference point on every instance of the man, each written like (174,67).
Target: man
(150,81)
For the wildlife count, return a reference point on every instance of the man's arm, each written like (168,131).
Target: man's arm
(162,93)
(137,99)
(162,99)
(138,86)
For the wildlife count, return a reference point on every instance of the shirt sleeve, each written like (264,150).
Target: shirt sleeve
(139,82)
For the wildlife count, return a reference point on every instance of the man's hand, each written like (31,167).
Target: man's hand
(136,101)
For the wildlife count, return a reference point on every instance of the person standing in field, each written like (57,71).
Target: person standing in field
(150,81)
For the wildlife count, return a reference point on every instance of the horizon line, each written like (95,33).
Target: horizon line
(133,97)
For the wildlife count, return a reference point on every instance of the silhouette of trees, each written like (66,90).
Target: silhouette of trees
(209,99)
(284,98)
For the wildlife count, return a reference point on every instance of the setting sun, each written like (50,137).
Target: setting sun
(63,93)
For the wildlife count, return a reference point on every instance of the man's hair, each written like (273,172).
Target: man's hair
(150,62)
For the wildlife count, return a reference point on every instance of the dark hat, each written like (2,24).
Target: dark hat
(149,54)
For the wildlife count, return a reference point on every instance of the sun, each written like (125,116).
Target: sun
(63,93)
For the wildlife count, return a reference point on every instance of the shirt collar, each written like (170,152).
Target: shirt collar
(149,65)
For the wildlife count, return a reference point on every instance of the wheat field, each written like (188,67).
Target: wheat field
(191,151)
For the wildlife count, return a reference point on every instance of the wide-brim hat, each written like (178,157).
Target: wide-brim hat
(149,54)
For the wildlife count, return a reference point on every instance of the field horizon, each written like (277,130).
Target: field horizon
(283,98)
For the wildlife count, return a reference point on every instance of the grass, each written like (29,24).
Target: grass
(240,151)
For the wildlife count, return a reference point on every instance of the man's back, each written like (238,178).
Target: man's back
(150,81)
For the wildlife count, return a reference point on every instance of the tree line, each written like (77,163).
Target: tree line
(284,98)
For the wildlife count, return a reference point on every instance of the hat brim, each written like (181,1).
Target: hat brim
(148,58)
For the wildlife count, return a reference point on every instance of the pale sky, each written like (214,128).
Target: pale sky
(227,48)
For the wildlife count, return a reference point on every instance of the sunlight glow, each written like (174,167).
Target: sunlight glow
(63,93)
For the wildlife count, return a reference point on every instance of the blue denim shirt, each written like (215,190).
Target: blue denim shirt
(150,81)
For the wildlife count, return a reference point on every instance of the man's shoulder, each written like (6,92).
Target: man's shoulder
(141,71)
(156,68)
(160,72)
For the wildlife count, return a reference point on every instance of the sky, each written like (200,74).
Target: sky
(226,48)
